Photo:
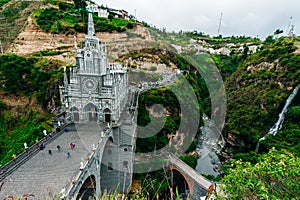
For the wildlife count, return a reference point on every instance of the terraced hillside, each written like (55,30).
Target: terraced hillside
(13,18)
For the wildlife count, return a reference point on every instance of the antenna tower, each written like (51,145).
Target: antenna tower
(291,31)
(288,27)
(220,23)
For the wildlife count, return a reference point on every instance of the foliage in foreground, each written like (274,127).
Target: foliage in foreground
(275,176)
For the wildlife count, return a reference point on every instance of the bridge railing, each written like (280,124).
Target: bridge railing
(79,176)
(13,165)
(192,173)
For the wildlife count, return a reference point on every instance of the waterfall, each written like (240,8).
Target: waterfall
(278,125)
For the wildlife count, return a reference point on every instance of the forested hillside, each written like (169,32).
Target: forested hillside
(29,91)
(257,85)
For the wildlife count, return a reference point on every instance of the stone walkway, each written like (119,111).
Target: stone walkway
(45,175)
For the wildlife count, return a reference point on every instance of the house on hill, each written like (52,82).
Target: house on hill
(104,11)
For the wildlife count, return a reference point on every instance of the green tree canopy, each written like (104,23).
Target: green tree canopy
(275,176)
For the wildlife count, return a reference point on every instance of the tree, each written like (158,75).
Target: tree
(81,5)
(278,32)
(275,176)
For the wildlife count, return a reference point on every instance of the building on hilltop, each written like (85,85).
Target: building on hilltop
(104,12)
(95,89)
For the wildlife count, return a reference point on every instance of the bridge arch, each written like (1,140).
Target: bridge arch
(189,182)
(88,189)
(91,112)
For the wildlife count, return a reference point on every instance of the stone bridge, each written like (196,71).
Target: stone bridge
(102,160)
(198,185)
(109,168)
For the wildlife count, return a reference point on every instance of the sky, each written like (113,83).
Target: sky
(255,18)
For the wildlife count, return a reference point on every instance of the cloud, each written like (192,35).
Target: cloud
(240,17)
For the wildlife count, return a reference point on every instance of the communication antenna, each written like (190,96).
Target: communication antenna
(1,48)
(291,31)
(288,27)
(220,23)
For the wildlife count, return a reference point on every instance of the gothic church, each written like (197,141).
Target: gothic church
(95,90)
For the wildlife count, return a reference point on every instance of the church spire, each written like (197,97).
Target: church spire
(91,28)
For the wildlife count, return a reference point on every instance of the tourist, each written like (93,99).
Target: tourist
(58,148)
(81,166)
(49,151)
(25,146)
(14,157)
(57,129)
(45,132)
(72,145)
(68,155)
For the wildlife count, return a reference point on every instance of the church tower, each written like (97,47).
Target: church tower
(97,90)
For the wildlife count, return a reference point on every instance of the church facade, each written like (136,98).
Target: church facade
(95,90)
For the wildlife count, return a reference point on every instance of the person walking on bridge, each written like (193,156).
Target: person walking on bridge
(25,146)
(45,132)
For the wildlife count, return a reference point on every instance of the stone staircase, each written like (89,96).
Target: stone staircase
(45,175)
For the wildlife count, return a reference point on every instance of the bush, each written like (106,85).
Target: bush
(129,25)
(2,2)
(153,68)
(48,17)
(65,6)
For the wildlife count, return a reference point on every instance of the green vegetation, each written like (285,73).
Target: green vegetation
(25,78)
(12,12)
(69,18)
(168,100)
(2,2)
(289,136)
(275,176)
(257,86)
(50,53)
(264,80)
(140,76)
(226,64)
(254,107)
(47,16)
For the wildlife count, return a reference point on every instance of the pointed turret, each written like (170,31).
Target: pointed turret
(65,78)
(91,29)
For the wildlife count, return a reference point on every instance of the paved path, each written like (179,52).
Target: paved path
(45,175)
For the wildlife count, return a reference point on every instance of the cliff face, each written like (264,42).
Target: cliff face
(32,40)
(257,91)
